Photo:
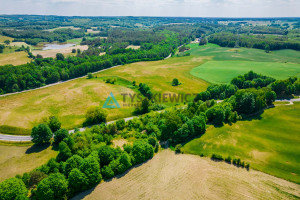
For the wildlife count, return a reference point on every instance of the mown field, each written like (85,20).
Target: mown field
(20,159)
(181,176)
(270,142)
(69,101)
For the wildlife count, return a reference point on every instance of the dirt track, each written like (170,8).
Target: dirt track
(170,176)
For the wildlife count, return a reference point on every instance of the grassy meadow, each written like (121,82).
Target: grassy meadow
(270,142)
(20,159)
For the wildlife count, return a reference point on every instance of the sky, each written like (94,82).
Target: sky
(182,8)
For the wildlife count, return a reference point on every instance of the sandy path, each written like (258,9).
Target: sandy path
(170,176)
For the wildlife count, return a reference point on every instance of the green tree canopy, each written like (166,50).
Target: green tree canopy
(41,134)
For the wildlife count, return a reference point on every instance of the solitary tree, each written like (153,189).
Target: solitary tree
(175,82)
(41,134)
(73,50)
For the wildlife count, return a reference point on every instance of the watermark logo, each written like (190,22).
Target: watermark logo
(111,102)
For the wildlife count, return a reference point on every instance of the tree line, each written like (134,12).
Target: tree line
(226,39)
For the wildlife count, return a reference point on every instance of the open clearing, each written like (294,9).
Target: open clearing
(224,71)
(52,53)
(270,142)
(20,159)
(15,58)
(69,101)
(170,176)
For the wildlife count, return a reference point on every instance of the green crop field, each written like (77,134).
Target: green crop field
(218,53)
(270,142)
(227,63)
(224,71)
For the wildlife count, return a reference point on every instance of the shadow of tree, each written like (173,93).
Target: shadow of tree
(37,148)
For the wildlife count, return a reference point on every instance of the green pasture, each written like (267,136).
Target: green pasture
(269,142)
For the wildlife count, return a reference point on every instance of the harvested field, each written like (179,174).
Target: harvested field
(52,53)
(170,176)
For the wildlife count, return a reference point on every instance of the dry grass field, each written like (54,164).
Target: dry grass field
(170,176)
(15,58)
(159,74)
(20,159)
(52,53)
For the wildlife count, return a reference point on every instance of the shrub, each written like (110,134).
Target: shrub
(216,157)
(228,159)
(175,82)
(247,166)
(35,177)
(178,148)
(90,76)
